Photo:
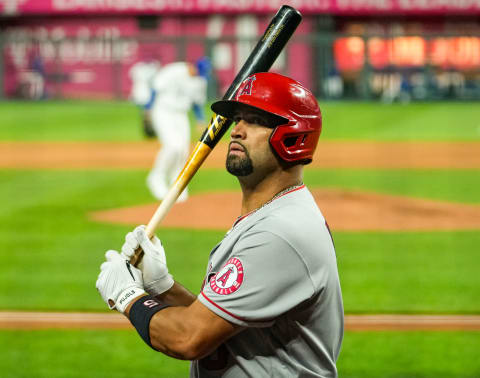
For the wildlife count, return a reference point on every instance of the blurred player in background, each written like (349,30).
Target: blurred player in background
(142,74)
(32,82)
(270,303)
(177,88)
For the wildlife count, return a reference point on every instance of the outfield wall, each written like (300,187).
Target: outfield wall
(387,50)
(92,57)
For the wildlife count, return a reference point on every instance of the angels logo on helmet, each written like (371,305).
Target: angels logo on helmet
(247,86)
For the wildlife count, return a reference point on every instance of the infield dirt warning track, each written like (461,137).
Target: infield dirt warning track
(58,320)
(329,154)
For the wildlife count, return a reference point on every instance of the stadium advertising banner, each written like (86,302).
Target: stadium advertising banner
(346,7)
(459,53)
(91,57)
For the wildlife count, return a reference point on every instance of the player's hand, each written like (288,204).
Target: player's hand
(154,263)
(119,282)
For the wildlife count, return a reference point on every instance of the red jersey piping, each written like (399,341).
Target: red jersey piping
(221,308)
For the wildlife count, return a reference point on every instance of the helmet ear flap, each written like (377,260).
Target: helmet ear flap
(293,144)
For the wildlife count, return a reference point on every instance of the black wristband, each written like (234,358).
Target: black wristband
(141,313)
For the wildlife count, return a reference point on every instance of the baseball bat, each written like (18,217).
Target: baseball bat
(274,39)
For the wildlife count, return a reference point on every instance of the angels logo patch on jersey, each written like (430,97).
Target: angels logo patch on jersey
(229,278)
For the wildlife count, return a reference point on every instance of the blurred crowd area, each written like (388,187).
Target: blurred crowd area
(385,59)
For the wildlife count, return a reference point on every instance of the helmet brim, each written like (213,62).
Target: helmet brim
(229,108)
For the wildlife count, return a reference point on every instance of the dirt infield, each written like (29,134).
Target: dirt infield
(344,210)
(58,320)
(81,155)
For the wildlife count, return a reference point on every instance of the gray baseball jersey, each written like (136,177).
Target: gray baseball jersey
(275,273)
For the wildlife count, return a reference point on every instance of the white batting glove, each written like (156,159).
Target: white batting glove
(154,263)
(119,283)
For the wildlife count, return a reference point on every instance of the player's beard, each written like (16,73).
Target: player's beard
(239,166)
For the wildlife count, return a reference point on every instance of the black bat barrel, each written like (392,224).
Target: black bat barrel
(267,50)
(269,47)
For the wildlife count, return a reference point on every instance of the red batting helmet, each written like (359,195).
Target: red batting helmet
(288,106)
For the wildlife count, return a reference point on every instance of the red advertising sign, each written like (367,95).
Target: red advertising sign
(455,52)
(413,51)
(349,53)
(344,7)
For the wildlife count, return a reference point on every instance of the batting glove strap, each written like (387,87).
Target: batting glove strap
(125,297)
(141,313)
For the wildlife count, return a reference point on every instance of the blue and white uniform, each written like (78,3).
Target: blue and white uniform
(176,91)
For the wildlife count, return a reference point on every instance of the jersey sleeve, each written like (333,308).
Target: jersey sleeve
(264,278)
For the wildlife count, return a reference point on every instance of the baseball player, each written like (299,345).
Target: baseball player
(178,87)
(271,303)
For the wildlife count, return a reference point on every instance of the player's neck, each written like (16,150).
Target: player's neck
(256,195)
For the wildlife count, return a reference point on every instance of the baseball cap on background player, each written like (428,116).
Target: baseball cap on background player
(290,108)
(203,67)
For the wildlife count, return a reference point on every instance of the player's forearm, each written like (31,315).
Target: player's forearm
(172,332)
(184,332)
(189,333)
(177,295)
(178,332)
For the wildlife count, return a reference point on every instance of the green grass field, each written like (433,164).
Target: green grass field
(51,252)
(122,354)
(118,121)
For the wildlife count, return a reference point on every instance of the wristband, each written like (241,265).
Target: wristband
(141,313)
